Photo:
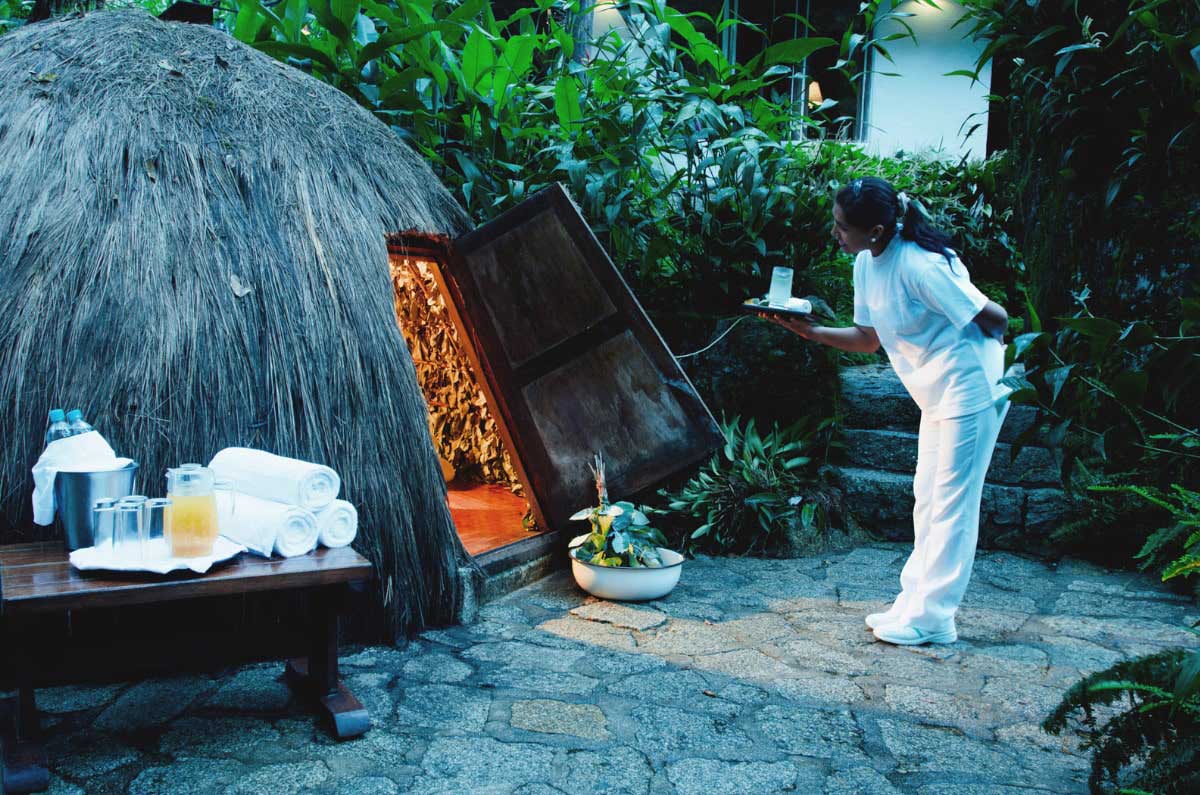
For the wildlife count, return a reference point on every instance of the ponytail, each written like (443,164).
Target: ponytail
(912,225)
(871,201)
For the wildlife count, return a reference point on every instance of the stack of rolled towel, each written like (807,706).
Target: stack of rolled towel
(281,505)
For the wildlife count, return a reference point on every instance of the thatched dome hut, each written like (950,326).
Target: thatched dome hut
(193,251)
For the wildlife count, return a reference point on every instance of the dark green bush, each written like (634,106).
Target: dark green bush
(1152,742)
(756,494)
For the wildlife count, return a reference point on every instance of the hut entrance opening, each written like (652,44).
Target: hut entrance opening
(533,355)
(486,495)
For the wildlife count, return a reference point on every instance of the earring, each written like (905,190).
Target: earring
(874,240)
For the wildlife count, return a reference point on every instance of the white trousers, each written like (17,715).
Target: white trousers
(952,461)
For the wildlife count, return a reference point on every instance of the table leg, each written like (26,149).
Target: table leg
(317,677)
(24,766)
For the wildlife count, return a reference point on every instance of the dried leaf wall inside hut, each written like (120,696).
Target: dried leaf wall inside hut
(486,496)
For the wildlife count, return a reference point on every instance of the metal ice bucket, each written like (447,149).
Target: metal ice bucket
(75,493)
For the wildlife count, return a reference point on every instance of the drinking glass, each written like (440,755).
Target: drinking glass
(155,518)
(781,287)
(226,494)
(104,516)
(128,533)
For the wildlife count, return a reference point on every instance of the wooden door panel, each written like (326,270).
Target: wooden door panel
(632,415)
(537,287)
(571,359)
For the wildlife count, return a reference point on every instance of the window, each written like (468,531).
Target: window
(814,82)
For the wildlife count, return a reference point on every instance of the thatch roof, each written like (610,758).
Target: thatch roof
(192,250)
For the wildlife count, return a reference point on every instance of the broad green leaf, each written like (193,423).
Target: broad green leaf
(793,51)
(478,60)
(395,38)
(1098,328)
(282,49)
(1023,342)
(1055,379)
(566,103)
(247,22)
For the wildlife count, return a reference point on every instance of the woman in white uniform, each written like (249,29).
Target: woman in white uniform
(943,336)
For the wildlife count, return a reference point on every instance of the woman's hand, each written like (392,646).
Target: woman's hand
(993,320)
(793,323)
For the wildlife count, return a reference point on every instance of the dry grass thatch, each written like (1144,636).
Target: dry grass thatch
(192,250)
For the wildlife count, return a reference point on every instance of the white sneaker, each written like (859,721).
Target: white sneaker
(904,635)
(879,619)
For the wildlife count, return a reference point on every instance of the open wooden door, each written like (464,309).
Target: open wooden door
(571,361)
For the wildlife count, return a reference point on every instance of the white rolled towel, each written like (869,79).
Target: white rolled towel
(276,478)
(337,524)
(263,526)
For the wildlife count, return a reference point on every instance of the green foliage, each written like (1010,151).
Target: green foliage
(1153,742)
(752,491)
(1104,523)
(697,174)
(1125,389)
(621,536)
(1173,549)
(14,13)
(1116,398)
(621,533)
(1103,104)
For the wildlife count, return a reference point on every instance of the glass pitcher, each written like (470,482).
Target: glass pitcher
(190,524)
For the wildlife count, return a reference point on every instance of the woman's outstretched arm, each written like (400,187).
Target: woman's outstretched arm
(855,339)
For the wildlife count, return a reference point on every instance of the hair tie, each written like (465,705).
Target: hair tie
(903,197)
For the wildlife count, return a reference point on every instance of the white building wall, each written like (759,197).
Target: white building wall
(922,110)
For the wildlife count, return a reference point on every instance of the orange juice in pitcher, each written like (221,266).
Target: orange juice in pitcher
(190,525)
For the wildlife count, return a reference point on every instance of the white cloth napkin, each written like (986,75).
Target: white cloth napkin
(156,558)
(86,452)
(273,477)
(264,527)
(337,524)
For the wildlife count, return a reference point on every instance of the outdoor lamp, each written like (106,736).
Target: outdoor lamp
(814,94)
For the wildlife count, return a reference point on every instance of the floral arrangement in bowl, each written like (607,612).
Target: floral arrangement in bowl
(622,544)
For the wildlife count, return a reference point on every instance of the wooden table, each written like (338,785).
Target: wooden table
(37,579)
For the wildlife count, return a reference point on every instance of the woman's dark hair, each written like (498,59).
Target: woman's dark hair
(870,201)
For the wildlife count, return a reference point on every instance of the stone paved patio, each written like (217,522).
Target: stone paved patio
(754,676)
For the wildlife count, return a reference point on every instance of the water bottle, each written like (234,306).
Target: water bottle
(77,424)
(58,426)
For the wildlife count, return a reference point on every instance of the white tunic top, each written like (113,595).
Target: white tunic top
(921,307)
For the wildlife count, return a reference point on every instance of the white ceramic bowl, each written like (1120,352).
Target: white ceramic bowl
(623,584)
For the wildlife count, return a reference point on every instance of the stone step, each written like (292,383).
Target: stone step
(874,398)
(896,451)
(1011,517)
(501,571)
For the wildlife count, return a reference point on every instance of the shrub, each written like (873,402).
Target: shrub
(1152,742)
(1102,115)
(753,491)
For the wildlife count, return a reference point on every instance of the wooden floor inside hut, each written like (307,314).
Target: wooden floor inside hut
(487,516)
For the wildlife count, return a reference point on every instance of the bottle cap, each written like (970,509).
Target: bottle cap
(56,415)
(74,414)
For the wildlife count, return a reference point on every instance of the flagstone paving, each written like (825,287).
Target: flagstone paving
(754,676)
